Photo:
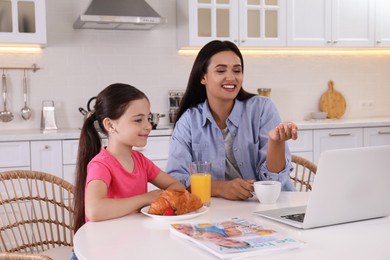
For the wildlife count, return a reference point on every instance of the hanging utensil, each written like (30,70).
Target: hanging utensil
(26,111)
(5,115)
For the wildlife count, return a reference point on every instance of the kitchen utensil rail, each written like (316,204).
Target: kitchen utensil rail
(34,68)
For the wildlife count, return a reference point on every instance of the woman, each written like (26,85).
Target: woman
(239,132)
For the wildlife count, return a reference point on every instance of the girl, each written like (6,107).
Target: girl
(112,182)
(239,132)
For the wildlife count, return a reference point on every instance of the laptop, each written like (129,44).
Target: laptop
(350,185)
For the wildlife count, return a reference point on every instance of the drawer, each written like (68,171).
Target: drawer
(304,143)
(14,154)
(376,136)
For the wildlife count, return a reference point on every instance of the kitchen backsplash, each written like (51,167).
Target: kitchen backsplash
(77,64)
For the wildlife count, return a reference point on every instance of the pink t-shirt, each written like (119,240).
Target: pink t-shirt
(121,183)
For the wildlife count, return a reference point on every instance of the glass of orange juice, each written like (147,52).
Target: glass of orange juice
(200,177)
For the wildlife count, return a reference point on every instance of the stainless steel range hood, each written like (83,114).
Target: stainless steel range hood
(119,15)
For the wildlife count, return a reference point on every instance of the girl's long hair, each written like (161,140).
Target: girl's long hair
(111,103)
(196,92)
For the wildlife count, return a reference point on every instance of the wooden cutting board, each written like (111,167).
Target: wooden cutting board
(333,102)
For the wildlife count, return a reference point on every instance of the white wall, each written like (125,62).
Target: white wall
(77,64)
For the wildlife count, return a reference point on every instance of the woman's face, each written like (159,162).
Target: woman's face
(224,76)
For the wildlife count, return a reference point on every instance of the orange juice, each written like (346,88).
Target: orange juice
(201,186)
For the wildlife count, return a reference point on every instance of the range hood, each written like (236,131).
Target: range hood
(119,15)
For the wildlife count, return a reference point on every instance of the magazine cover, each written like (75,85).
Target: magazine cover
(235,238)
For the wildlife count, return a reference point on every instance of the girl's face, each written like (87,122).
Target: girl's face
(224,76)
(133,127)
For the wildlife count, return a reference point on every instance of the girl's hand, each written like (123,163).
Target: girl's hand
(283,132)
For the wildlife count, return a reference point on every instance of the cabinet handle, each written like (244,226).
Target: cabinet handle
(378,41)
(328,41)
(334,42)
(46,147)
(339,134)
(384,132)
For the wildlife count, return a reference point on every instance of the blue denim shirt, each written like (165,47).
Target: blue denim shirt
(196,137)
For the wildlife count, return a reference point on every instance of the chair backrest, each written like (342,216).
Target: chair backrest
(303,173)
(21,256)
(36,211)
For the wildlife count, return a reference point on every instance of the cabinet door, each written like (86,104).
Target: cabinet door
(303,146)
(156,149)
(262,23)
(353,23)
(69,151)
(336,23)
(328,139)
(376,136)
(382,23)
(15,155)
(201,21)
(309,23)
(23,22)
(46,156)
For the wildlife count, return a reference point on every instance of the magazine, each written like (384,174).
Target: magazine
(235,238)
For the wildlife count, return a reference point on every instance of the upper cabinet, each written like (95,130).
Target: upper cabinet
(247,23)
(285,23)
(331,23)
(382,22)
(22,22)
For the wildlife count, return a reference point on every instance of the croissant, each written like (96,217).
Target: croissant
(181,201)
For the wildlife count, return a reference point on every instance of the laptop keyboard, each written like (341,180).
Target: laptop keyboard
(296,217)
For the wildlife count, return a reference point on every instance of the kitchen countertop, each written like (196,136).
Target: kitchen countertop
(343,123)
(63,134)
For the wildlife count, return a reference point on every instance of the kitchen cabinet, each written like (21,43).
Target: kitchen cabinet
(327,139)
(46,156)
(303,146)
(14,155)
(332,23)
(69,159)
(382,23)
(376,136)
(250,23)
(156,150)
(23,22)
(312,142)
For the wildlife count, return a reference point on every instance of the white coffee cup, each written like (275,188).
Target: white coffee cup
(267,191)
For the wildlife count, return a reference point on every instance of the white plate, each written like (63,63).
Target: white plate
(193,214)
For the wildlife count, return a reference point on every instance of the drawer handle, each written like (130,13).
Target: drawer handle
(46,147)
(384,132)
(339,134)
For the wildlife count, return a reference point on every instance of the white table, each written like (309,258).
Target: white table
(138,236)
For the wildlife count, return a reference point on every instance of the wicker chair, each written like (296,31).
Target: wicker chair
(21,256)
(36,215)
(303,173)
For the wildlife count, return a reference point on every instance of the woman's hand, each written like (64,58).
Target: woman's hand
(237,189)
(283,132)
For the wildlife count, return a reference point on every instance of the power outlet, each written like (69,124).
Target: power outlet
(367,104)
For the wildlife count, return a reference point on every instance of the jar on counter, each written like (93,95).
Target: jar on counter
(172,115)
(266,92)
